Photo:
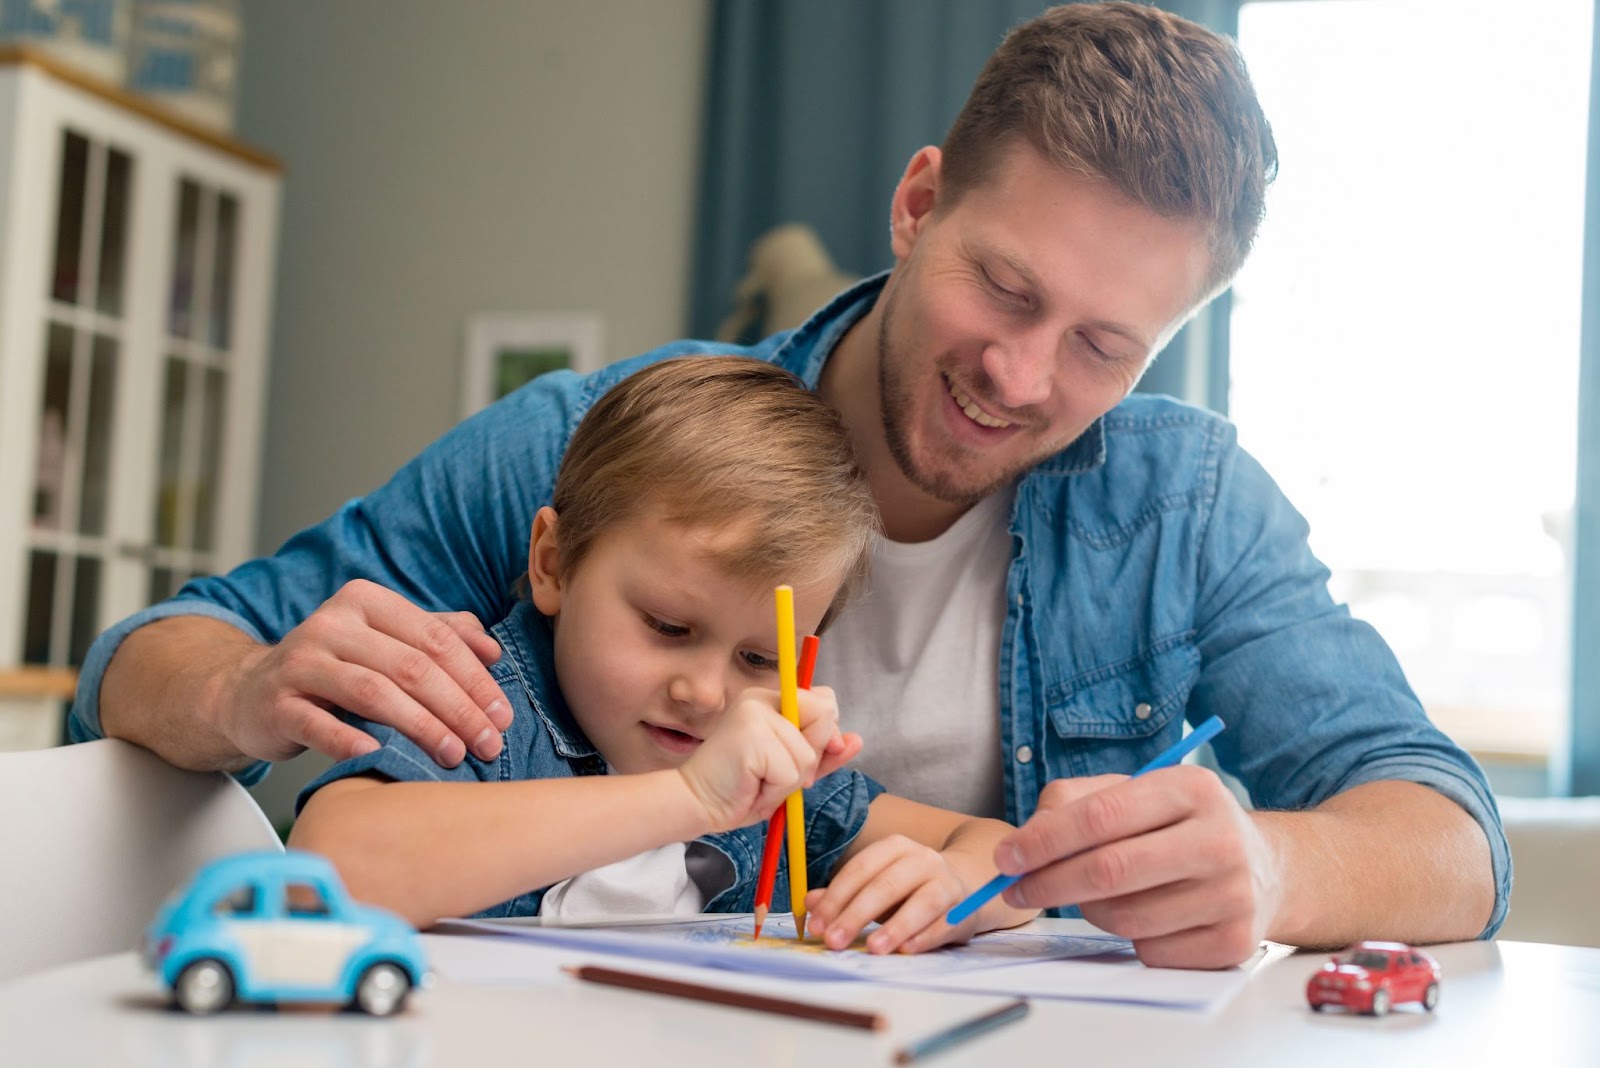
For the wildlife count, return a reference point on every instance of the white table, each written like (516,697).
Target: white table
(1515,1004)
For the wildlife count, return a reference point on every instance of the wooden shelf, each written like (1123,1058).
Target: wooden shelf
(13,55)
(34,682)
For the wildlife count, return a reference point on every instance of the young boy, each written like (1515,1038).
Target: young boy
(646,747)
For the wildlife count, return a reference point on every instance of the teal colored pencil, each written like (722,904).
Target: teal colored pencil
(985,893)
(950,1036)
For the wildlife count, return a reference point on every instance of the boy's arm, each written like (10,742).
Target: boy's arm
(430,850)
(909,866)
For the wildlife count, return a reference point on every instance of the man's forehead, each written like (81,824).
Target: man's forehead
(1129,269)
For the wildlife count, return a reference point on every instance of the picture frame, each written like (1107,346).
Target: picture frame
(505,350)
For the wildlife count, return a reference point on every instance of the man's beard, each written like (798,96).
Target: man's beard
(894,401)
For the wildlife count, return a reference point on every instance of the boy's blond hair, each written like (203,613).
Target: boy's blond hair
(1158,106)
(725,441)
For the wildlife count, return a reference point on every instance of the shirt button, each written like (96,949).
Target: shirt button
(1024,754)
(1141,710)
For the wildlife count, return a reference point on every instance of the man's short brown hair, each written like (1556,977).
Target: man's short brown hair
(1158,106)
(726,441)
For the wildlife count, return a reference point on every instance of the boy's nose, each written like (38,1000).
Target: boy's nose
(700,692)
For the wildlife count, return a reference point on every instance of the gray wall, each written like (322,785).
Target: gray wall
(446,158)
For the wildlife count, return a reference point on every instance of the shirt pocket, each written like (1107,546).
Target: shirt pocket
(1118,717)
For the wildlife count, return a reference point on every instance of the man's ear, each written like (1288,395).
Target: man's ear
(914,200)
(544,562)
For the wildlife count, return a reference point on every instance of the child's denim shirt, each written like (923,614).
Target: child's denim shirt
(543,742)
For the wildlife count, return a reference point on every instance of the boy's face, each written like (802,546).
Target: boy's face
(654,640)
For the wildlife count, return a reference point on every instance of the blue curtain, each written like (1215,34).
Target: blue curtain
(1581,770)
(813,108)
(1194,365)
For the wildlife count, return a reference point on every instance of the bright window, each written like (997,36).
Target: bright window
(1405,337)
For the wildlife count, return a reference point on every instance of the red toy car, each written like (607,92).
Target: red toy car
(1372,977)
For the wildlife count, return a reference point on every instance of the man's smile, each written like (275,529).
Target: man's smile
(970,407)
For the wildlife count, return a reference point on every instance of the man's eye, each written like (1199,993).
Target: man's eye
(759,662)
(661,626)
(1095,350)
(1009,297)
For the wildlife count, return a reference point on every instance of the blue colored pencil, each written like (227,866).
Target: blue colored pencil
(940,1040)
(1194,740)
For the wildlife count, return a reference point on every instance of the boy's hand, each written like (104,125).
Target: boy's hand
(755,758)
(893,875)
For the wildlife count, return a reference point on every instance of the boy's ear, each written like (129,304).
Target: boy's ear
(544,563)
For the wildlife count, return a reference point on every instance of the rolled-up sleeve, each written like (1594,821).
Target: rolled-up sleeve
(83,722)
(836,810)
(1315,701)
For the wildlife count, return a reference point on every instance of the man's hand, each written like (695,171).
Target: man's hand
(371,652)
(1168,860)
(755,758)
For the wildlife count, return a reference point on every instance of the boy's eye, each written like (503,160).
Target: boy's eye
(759,662)
(661,626)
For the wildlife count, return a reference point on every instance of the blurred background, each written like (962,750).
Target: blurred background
(1406,351)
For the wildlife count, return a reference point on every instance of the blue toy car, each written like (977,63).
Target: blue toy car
(279,927)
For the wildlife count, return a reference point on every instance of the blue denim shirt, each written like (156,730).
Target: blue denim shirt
(544,742)
(1158,575)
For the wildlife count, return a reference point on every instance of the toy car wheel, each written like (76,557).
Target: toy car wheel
(382,989)
(203,987)
(1430,997)
(1318,1006)
(1380,1002)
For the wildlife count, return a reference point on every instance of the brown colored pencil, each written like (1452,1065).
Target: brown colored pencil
(805,1010)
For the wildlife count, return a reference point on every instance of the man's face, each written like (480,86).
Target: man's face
(654,640)
(1018,316)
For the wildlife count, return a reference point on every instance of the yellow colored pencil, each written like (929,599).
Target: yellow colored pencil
(794,805)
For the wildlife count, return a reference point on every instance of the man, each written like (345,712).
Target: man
(1068,572)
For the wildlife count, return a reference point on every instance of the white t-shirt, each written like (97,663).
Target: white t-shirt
(916,663)
(656,881)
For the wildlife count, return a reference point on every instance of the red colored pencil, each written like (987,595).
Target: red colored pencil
(775,825)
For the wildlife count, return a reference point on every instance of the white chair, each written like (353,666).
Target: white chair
(1555,847)
(94,836)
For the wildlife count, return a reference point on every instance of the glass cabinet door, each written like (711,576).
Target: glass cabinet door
(67,540)
(197,346)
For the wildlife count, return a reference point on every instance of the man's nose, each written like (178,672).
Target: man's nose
(1021,367)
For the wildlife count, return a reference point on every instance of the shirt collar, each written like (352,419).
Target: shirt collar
(527,637)
(805,350)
